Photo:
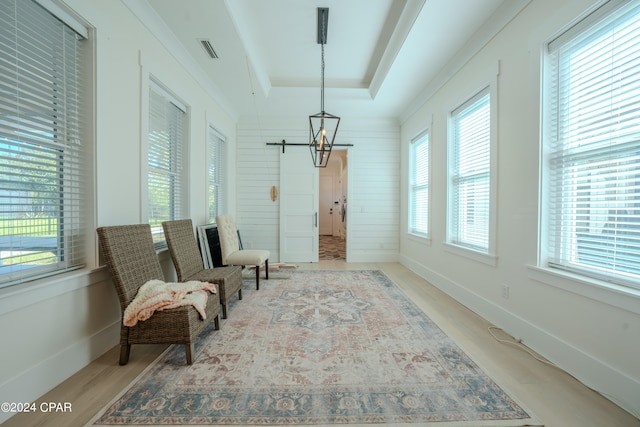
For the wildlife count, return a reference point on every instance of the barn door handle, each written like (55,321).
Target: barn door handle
(316,219)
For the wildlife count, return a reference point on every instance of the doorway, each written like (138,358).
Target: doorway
(332,205)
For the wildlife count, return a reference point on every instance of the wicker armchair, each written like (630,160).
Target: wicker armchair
(187,259)
(132,260)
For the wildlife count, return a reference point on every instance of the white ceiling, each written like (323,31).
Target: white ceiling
(380,54)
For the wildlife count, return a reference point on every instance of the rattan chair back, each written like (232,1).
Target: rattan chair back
(187,260)
(131,258)
(183,248)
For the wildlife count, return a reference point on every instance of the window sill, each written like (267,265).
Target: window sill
(420,238)
(487,259)
(608,293)
(25,294)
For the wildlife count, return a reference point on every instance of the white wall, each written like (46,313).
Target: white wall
(53,327)
(373,183)
(590,332)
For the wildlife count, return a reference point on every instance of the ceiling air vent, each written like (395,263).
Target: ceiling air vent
(206,45)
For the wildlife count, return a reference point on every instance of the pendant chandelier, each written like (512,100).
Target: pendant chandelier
(322,126)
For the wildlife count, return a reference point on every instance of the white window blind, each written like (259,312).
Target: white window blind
(216,173)
(165,146)
(592,133)
(419,186)
(470,174)
(42,149)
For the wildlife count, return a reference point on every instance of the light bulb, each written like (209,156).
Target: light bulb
(323,132)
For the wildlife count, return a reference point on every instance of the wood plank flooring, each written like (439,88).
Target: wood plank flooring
(331,247)
(555,397)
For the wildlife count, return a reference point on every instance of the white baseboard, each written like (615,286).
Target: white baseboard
(594,373)
(372,257)
(30,385)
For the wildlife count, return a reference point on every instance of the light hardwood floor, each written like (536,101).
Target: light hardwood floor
(556,398)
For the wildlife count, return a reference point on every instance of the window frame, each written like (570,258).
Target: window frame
(217,173)
(71,134)
(416,142)
(485,86)
(178,206)
(549,263)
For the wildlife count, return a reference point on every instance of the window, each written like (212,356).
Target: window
(592,147)
(165,153)
(216,173)
(42,143)
(469,214)
(419,186)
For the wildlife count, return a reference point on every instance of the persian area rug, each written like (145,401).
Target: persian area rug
(322,347)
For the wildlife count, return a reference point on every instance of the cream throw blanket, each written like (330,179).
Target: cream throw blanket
(158,295)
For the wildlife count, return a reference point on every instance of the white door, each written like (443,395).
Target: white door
(326,205)
(298,206)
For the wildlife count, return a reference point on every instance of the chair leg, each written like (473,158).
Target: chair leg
(224,310)
(239,293)
(189,349)
(266,269)
(257,277)
(125,349)
(216,323)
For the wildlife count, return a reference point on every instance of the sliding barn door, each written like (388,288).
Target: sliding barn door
(298,206)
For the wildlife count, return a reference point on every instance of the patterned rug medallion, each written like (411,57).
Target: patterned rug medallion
(322,347)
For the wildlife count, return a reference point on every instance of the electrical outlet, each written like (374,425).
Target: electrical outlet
(505,291)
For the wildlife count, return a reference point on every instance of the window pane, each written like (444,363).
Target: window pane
(216,149)
(165,145)
(470,175)
(42,224)
(593,128)
(419,187)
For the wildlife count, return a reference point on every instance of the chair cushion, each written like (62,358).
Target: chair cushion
(248,257)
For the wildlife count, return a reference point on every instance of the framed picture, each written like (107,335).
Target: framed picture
(209,245)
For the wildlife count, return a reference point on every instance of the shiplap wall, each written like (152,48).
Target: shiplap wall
(373,197)
(257,170)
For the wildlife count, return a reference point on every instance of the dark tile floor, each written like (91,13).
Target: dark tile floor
(332,247)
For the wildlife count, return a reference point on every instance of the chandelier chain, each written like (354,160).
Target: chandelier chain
(322,126)
(322,71)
